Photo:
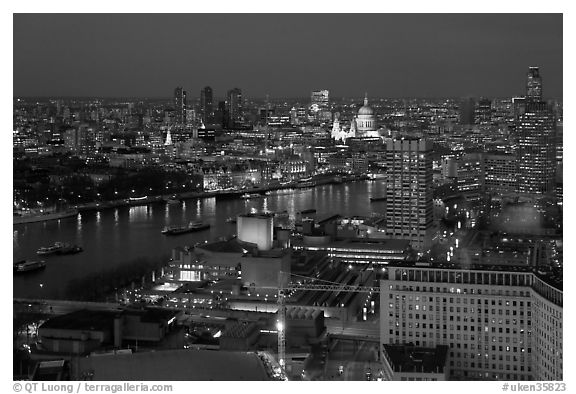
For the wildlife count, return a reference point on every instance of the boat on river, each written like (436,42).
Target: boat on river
(191,227)
(70,249)
(375,199)
(59,248)
(29,266)
(172,200)
(247,196)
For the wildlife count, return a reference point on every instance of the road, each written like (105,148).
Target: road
(359,330)
(60,307)
(351,362)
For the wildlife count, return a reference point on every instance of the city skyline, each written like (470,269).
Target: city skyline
(305,197)
(344,53)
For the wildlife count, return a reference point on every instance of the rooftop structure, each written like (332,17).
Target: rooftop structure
(55,370)
(358,250)
(406,362)
(256,229)
(86,331)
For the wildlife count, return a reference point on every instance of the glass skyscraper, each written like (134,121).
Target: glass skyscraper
(536,132)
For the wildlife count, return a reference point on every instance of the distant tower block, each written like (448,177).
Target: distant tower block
(180,105)
(256,229)
(409,191)
(534,84)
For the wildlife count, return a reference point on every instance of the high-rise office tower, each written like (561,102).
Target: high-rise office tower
(536,134)
(483,112)
(500,175)
(221,115)
(467,106)
(206,105)
(180,105)
(534,84)
(319,106)
(409,191)
(320,98)
(234,107)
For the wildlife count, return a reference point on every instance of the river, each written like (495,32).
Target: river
(121,235)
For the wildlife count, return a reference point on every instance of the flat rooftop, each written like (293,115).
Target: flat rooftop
(553,279)
(273,253)
(374,243)
(363,243)
(226,246)
(260,215)
(82,320)
(152,314)
(179,365)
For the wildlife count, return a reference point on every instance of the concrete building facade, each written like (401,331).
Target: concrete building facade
(497,324)
(409,191)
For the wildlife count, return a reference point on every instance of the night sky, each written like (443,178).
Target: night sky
(387,55)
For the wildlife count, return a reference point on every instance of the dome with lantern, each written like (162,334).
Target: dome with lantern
(366,120)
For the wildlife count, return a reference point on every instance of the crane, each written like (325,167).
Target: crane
(284,285)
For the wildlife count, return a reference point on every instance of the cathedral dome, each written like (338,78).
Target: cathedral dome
(365,109)
(365,121)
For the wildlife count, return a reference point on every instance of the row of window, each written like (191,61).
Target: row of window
(462,277)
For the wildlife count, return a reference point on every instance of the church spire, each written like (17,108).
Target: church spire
(168,139)
(365,98)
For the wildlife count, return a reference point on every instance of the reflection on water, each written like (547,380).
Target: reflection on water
(117,236)
(15,243)
(79,223)
(346,197)
(137,213)
(209,206)
(198,207)
(291,208)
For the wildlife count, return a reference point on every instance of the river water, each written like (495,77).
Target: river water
(121,235)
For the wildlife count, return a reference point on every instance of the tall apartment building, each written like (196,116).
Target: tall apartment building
(498,324)
(409,191)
